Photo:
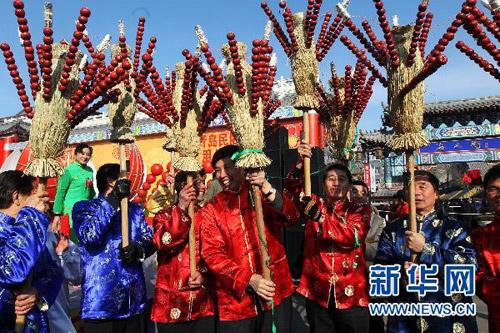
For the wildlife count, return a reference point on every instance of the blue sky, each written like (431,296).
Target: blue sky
(172,22)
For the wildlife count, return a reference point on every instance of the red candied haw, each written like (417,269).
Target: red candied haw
(18,4)
(85,12)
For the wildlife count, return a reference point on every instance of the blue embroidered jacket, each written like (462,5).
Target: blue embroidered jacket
(22,248)
(110,289)
(446,242)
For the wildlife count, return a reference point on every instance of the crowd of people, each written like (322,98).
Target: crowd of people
(77,242)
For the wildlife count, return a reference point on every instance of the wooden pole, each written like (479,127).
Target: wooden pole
(171,171)
(307,160)
(26,286)
(21,319)
(264,255)
(410,162)
(192,238)
(124,201)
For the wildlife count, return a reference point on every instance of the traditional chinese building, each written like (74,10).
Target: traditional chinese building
(464,135)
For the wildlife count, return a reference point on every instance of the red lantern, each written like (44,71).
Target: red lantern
(137,166)
(138,199)
(156,169)
(207,165)
(146,186)
(150,179)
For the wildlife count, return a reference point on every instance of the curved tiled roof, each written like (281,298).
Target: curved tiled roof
(374,137)
(487,103)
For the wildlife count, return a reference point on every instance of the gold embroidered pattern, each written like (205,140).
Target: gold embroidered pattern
(334,278)
(363,302)
(175,313)
(458,328)
(456,297)
(349,290)
(458,258)
(422,324)
(166,238)
(429,249)
(452,233)
(437,223)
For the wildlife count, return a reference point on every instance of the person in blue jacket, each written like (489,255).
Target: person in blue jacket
(23,226)
(67,256)
(113,287)
(440,240)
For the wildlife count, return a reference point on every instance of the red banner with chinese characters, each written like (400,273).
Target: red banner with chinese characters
(367,175)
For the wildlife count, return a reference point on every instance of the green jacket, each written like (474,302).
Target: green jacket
(73,187)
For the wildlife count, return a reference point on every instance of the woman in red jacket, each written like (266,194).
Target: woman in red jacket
(182,303)
(487,241)
(334,278)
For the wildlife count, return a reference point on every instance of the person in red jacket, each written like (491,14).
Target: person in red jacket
(334,279)
(230,246)
(487,241)
(182,303)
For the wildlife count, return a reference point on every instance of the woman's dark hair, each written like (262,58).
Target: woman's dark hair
(110,170)
(14,181)
(181,180)
(81,146)
(337,166)
(361,183)
(400,195)
(202,173)
(491,175)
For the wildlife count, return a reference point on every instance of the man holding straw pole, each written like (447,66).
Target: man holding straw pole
(113,286)
(230,244)
(439,240)
(184,301)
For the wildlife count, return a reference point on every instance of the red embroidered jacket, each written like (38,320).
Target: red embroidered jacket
(334,252)
(230,247)
(487,241)
(174,301)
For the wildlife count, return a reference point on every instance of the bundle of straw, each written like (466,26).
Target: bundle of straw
(50,128)
(406,111)
(343,108)
(123,112)
(403,55)
(170,141)
(187,137)
(302,50)
(247,128)
(160,199)
(305,70)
